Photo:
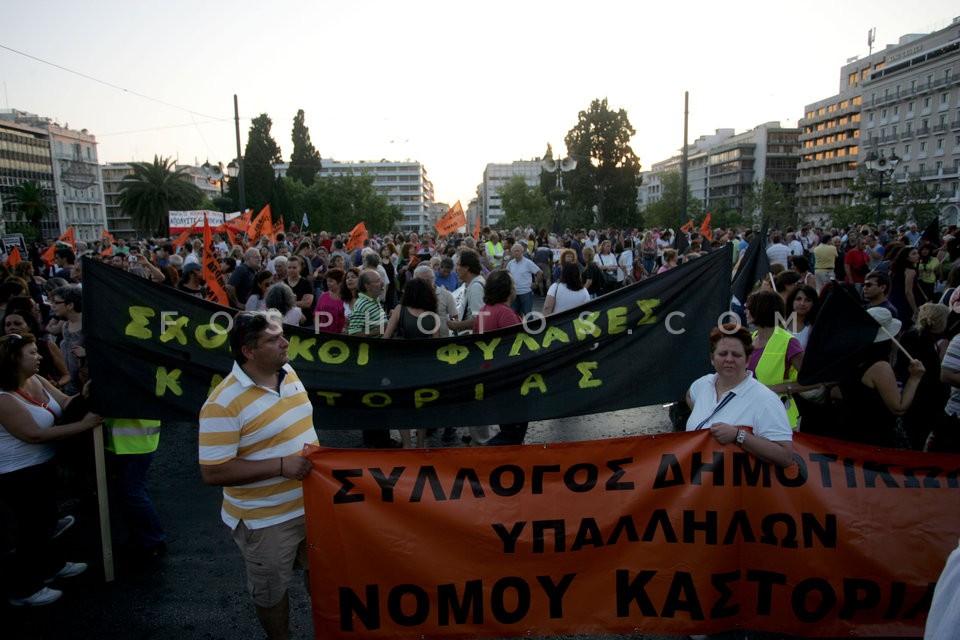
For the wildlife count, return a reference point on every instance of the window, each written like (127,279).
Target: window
(926,102)
(906,149)
(896,110)
(945,97)
(923,146)
(883,114)
(939,143)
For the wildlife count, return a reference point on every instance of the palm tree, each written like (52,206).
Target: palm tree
(28,196)
(152,191)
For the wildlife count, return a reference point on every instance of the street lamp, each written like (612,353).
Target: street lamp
(213,174)
(883,167)
(552,166)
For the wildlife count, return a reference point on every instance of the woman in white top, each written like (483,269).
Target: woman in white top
(29,409)
(261,283)
(732,398)
(566,294)
(609,264)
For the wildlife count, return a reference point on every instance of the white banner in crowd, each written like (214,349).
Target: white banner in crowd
(180,221)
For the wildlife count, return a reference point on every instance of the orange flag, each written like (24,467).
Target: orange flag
(476,229)
(181,239)
(233,238)
(13,259)
(279,227)
(452,220)
(241,223)
(65,238)
(687,227)
(212,276)
(357,235)
(705,229)
(261,226)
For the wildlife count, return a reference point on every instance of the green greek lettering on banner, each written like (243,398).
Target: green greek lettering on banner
(533,381)
(587,381)
(174,330)
(555,334)
(210,337)
(523,340)
(423,396)
(616,320)
(585,325)
(334,352)
(452,353)
(168,381)
(300,348)
(139,326)
(646,307)
(487,348)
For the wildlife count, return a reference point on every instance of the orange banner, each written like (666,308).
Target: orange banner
(67,237)
(212,275)
(669,534)
(705,229)
(357,235)
(452,220)
(13,258)
(262,225)
(476,228)
(687,227)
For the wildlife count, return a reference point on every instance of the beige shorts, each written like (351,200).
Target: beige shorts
(271,555)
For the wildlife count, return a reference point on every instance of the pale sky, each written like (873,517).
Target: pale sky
(455,85)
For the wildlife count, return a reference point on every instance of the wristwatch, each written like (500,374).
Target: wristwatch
(741,436)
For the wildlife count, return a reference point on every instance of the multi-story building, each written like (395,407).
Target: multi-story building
(495,176)
(25,157)
(911,108)
(651,188)
(404,183)
(118,223)
(78,188)
(902,100)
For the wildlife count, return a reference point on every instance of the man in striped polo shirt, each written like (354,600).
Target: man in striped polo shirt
(252,431)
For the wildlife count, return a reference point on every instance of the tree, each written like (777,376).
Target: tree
(305,159)
(769,200)
(607,175)
(524,205)
(30,205)
(337,203)
(665,212)
(915,201)
(152,191)
(259,157)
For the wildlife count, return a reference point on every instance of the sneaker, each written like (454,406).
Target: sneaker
(63,524)
(69,570)
(40,598)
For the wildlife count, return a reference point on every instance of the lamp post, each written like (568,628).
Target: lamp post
(883,167)
(559,195)
(239,162)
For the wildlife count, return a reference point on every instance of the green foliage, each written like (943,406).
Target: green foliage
(281,204)
(152,191)
(914,200)
(30,202)
(603,187)
(259,157)
(524,205)
(336,204)
(665,212)
(305,159)
(900,202)
(769,200)
(844,216)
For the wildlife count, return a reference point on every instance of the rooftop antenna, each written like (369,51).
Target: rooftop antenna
(871,38)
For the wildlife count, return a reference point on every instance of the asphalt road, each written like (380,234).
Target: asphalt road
(197,590)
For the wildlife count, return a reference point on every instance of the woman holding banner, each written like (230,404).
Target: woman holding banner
(30,407)
(727,401)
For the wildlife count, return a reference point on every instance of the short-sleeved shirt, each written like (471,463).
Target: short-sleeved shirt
(825,257)
(367,313)
(242,420)
(523,273)
(495,316)
(331,318)
(752,405)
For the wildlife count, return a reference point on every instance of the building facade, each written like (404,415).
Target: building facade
(698,178)
(118,223)
(77,185)
(25,157)
(495,176)
(911,108)
(404,184)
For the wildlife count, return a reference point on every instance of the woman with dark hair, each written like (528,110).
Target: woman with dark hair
(803,304)
(730,399)
(52,365)
(301,287)
(777,355)
(498,294)
(329,313)
(567,293)
(30,407)
(414,318)
(921,342)
(261,282)
(350,291)
(904,289)
(872,400)
(928,271)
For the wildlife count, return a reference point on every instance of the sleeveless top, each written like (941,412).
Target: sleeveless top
(411,324)
(16,454)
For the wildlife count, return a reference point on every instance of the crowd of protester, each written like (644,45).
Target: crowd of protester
(420,286)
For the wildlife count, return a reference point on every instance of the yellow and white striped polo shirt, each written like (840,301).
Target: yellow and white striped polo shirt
(243,420)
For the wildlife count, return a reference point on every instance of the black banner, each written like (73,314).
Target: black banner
(156,352)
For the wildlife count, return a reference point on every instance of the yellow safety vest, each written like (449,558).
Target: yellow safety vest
(495,253)
(770,368)
(131,436)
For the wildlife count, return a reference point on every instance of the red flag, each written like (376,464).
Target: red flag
(212,276)
(357,235)
(687,227)
(705,229)
(452,220)
(13,258)
(261,226)
(476,229)
(65,238)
